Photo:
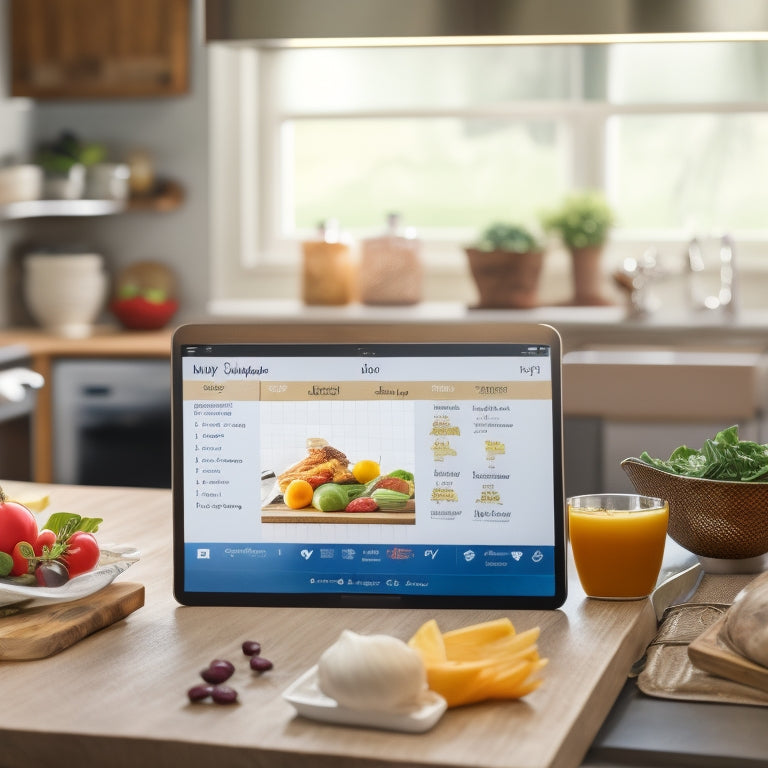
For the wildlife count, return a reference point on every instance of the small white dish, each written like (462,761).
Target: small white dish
(305,695)
(112,563)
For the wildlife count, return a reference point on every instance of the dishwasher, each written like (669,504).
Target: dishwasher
(111,421)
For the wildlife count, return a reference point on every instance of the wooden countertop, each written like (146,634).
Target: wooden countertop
(107,341)
(118,697)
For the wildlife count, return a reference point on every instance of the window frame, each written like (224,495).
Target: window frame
(247,176)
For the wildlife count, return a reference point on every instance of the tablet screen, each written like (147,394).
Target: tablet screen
(368,474)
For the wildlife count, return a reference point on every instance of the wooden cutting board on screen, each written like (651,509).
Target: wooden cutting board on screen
(35,633)
(280,513)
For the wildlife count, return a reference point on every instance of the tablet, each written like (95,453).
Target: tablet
(368,465)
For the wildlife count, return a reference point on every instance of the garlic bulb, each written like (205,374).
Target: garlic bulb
(372,672)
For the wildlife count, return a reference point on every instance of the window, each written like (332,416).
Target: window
(455,138)
(686,127)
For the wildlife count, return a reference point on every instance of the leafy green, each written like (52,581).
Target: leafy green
(6,563)
(724,457)
(584,219)
(64,524)
(402,474)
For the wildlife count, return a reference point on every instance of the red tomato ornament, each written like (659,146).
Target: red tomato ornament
(45,538)
(82,553)
(17,524)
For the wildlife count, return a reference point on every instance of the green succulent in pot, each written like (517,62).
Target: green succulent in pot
(505,264)
(582,221)
(513,238)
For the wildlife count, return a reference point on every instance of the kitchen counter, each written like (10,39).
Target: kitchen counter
(107,341)
(118,697)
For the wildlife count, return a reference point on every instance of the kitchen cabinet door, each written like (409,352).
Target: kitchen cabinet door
(99,48)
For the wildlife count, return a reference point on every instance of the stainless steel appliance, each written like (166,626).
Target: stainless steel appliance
(18,398)
(460,22)
(112,422)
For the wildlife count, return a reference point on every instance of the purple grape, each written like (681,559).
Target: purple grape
(218,671)
(223,694)
(51,573)
(260,664)
(251,648)
(199,692)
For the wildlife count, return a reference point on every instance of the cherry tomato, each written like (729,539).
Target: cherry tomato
(17,524)
(20,563)
(82,553)
(45,538)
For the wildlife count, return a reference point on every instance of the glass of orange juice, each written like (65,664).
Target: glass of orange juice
(618,543)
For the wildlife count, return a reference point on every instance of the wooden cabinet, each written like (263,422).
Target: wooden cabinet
(80,49)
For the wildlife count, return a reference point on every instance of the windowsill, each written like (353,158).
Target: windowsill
(670,320)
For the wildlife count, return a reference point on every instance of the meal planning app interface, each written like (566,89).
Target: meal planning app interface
(426,471)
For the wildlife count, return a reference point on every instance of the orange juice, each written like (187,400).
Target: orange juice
(618,543)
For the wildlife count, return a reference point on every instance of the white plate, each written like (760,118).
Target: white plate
(310,701)
(112,563)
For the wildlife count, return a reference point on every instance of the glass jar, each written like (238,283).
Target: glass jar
(328,269)
(390,266)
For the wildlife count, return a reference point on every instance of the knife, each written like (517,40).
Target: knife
(675,589)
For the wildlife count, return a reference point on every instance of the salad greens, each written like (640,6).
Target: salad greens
(723,457)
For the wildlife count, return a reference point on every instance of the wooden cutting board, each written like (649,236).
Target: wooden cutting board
(36,633)
(709,653)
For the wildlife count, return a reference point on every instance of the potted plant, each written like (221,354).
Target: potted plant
(65,162)
(583,222)
(506,264)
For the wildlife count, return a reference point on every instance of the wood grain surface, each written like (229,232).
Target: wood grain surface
(280,513)
(125,686)
(42,631)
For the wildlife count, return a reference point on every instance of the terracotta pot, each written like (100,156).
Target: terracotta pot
(506,280)
(587,276)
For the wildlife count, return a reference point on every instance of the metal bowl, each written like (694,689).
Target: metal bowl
(711,518)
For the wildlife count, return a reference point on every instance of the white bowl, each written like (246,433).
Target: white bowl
(19,183)
(64,294)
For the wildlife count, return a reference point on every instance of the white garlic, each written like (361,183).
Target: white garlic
(372,672)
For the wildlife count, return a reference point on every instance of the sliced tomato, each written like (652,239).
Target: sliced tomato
(21,563)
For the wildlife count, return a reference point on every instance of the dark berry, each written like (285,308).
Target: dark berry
(223,694)
(251,648)
(260,664)
(218,671)
(199,692)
